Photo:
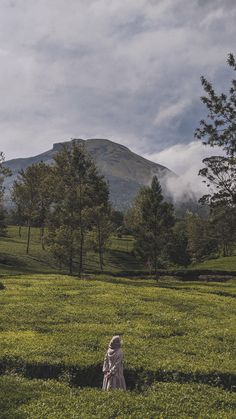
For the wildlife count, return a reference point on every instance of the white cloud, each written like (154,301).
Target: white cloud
(185,160)
(171,111)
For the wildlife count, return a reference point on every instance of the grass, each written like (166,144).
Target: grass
(227,263)
(118,257)
(13,257)
(179,337)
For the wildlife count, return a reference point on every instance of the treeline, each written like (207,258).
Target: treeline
(69,202)
(162,240)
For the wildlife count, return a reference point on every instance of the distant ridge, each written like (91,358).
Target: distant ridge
(124,170)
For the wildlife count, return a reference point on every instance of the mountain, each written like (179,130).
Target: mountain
(124,170)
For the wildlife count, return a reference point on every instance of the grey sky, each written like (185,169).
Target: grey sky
(124,70)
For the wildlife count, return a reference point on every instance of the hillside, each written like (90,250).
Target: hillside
(124,170)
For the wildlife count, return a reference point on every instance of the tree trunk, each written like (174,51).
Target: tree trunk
(19,231)
(155,266)
(42,237)
(81,252)
(28,238)
(71,261)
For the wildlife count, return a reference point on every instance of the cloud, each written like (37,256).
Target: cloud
(185,160)
(124,70)
(171,111)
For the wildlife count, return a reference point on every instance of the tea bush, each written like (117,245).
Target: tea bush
(173,331)
(38,399)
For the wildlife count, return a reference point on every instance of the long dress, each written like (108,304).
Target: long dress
(113,366)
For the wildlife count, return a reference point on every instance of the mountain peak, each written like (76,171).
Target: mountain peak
(124,170)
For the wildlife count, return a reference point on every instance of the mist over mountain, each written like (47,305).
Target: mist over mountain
(125,171)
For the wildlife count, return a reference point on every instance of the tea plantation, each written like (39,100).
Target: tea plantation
(178,339)
(38,399)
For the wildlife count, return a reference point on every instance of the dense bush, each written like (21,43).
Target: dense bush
(171,331)
(39,399)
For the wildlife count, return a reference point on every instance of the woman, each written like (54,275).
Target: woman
(113,366)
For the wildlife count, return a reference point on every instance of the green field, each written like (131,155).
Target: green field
(178,337)
(55,326)
(38,399)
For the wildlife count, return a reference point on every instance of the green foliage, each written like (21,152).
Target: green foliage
(3,225)
(223,220)
(202,242)
(49,321)
(80,202)
(32,399)
(219,129)
(220,175)
(152,219)
(64,244)
(118,256)
(102,228)
(177,248)
(31,196)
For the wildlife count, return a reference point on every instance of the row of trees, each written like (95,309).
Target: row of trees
(71,198)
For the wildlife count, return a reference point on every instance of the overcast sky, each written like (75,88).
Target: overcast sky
(126,70)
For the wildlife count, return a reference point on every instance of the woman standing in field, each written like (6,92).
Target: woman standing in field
(113,366)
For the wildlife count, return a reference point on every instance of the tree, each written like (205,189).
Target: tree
(177,248)
(100,216)
(78,189)
(202,242)
(31,196)
(152,222)
(223,220)
(101,231)
(220,177)
(117,219)
(3,224)
(219,129)
(4,171)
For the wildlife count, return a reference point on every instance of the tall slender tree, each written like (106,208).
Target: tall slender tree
(219,129)
(31,196)
(219,173)
(153,219)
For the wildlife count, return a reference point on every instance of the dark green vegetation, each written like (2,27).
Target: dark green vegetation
(180,334)
(152,222)
(118,258)
(173,328)
(33,399)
